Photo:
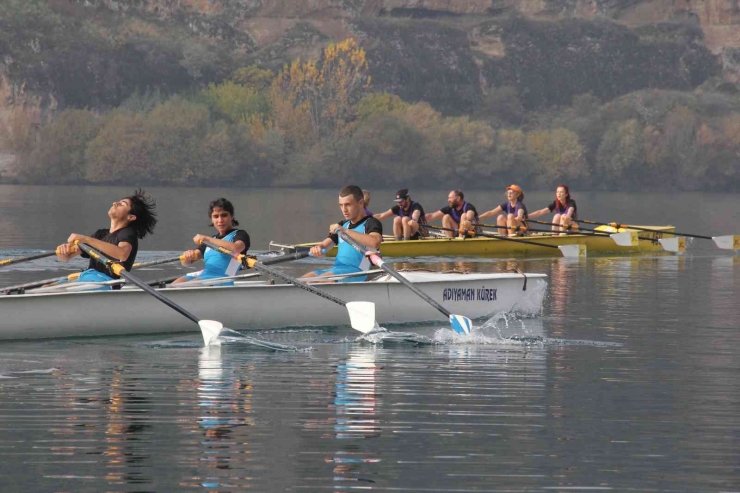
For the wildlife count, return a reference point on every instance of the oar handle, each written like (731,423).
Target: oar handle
(18,260)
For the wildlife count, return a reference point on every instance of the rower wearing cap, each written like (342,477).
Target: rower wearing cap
(512,213)
(362,228)
(565,209)
(458,215)
(409,221)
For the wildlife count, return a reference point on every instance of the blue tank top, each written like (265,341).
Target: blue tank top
(347,255)
(219,265)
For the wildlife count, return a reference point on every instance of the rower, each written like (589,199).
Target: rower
(366,197)
(362,228)
(458,215)
(513,213)
(216,264)
(565,209)
(131,219)
(409,221)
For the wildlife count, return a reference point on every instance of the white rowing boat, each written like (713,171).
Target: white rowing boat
(250,305)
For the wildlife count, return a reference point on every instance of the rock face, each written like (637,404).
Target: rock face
(448,52)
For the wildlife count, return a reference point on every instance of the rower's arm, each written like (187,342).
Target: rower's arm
(383,215)
(570,212)
(120,252)
(539,213)
(490,213)
(189,257)
(416,215)
(235,246)
(319,249)
(434,215)
(66,252)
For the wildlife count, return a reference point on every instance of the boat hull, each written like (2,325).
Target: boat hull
(260,306)
(493,247)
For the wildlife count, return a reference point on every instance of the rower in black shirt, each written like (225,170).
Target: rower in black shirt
(458,215)
(131,219)
(409,221)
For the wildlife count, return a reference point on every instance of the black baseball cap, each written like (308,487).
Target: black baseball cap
(401,195)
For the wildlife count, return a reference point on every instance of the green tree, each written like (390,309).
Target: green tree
(60,154)
(120,152)
(236,103)
(621,153)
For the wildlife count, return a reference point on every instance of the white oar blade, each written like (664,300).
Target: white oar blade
(729,242)
(361,315)
(210,330)
(626,239)
(461,324)
(675,245)
(573,251)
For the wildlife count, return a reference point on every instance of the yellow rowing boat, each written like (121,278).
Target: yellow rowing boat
(495,247)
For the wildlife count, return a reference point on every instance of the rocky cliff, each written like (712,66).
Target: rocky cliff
(448,52)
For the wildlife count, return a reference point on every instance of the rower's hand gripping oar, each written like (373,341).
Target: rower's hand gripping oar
(361,313)
(206,326)
(18,260)
(725,242)
(460,323)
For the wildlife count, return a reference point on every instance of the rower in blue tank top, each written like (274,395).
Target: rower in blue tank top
(362,228)
(216,264)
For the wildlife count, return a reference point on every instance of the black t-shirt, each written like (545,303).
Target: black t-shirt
(240,235)
(372,225)
(571,203)
(457,213)
(414,206)
(123,235)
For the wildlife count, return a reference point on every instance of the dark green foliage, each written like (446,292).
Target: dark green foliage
(550,62)
(422,61)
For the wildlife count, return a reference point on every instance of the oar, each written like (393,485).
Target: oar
(361,313)
(569,251)
(162,282)
(726,242)
(18,260)
(206,326)
(73,277)
(460,323)
(625,239)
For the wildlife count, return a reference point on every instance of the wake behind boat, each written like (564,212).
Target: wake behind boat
(259,305)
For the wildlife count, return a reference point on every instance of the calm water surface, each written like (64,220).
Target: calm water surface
(627,380)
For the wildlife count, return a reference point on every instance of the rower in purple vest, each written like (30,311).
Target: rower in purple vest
(565,209)
(366,196)
(458,215)
(409,221)
(512,219)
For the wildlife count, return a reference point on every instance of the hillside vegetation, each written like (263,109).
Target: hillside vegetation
(137,98)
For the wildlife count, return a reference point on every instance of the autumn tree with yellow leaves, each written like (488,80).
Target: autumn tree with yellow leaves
(320,96)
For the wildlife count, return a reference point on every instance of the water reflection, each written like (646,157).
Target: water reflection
(355,403)
(225,412)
